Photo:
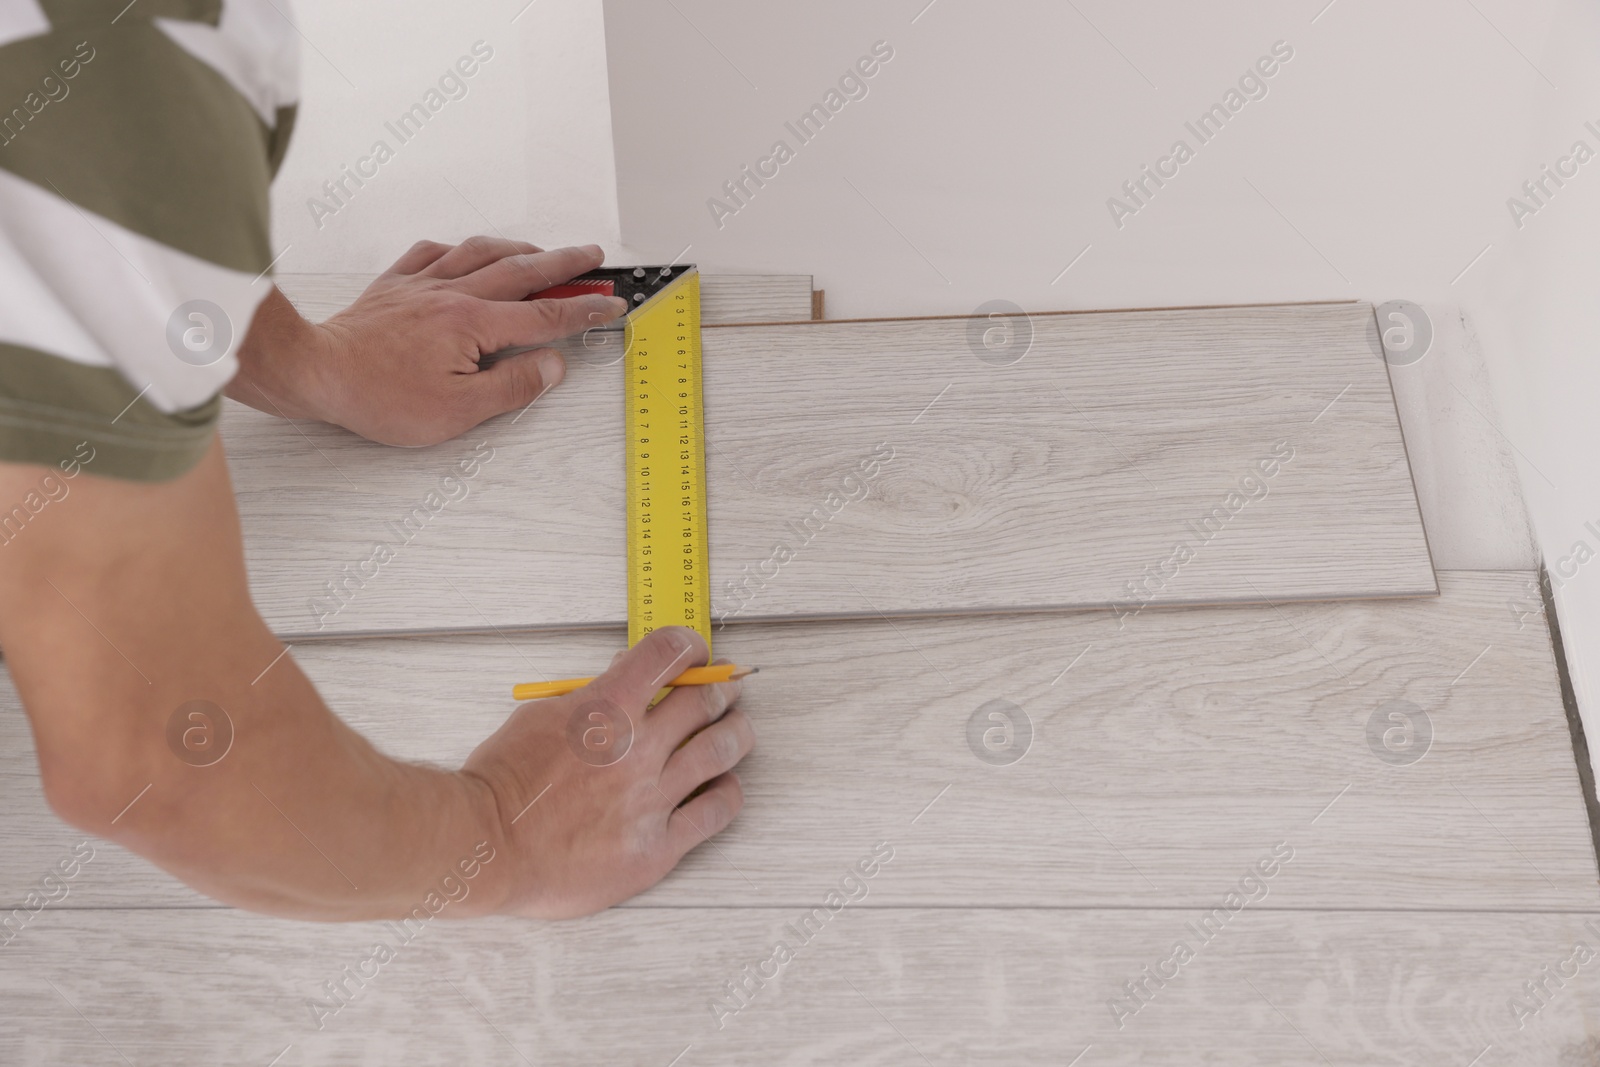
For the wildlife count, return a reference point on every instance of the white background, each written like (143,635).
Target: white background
(526,153)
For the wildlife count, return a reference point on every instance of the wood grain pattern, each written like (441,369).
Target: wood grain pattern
(723,297)
(873,985)
(866,468)
(1169,757)
(1171,750)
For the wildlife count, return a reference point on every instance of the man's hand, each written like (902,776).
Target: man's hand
(592,787)
(400,365)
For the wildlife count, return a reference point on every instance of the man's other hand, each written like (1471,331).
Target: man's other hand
(401,365)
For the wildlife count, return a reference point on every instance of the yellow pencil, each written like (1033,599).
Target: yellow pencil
(719,672)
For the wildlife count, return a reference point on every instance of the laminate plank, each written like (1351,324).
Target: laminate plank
(868,985)
(1166,757)
(733,298)
(868,468)
(723,297)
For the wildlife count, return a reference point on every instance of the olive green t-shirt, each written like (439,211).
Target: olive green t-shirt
(137,141)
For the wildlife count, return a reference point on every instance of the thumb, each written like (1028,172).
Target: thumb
(515,382)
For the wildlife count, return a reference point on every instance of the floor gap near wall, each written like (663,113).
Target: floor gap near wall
(1569,701)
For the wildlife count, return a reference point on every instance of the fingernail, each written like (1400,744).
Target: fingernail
(682,639)
(552,368)
(594,250)
(616,305)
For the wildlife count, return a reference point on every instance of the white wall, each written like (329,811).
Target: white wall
(526,153)
(987,149)
(979,165)
(1541,326)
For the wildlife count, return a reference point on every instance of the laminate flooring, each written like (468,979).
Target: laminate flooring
(860,469)
(1151,762)
(871,985)
(1102,896)
(1298,801)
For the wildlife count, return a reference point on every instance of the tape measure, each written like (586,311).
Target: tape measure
(669,567)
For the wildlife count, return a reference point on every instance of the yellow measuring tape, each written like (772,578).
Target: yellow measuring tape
(669,567)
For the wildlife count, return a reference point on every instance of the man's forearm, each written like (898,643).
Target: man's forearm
(167,721)
(300,816)
(269,379)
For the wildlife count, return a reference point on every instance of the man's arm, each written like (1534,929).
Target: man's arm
(122,602)
(125,601)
